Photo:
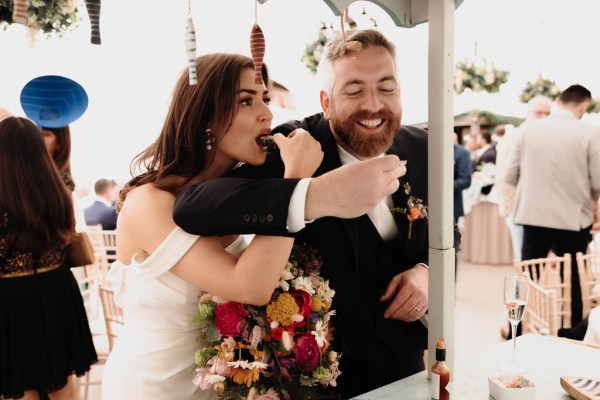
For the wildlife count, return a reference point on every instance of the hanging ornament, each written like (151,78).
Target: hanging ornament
(20,11)
(352,45)
(190,46)
(93,9)
(257,47)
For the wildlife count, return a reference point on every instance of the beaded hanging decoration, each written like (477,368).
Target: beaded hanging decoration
(93,9)
(257,46)
(20,11)
(190,46)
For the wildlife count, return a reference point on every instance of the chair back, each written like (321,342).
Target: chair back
(110,245)
(588,266)
(552,273)
(542,311)
(113,315)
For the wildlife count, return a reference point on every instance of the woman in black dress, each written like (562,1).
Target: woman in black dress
(45,339)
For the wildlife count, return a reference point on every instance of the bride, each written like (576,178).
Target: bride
(161,270)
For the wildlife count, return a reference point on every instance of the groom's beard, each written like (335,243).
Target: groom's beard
(366,145)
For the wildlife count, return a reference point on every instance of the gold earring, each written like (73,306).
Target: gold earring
(209,139)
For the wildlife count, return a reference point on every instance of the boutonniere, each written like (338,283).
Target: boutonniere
(415,208)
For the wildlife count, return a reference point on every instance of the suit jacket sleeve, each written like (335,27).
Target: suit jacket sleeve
(226,206)
(462,180)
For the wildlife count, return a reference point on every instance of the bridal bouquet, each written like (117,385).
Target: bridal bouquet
(277,351)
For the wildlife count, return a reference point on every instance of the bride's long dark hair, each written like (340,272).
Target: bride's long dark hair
(180,148)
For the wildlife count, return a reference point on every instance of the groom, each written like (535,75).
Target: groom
(376,262)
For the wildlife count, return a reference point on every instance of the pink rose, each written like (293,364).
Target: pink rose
(229,318)
(304,301)
(271,394)
(306,351)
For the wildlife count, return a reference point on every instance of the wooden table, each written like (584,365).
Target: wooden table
(547,359)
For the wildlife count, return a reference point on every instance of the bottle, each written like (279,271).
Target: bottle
(440,373)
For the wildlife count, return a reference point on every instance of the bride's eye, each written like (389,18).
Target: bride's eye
(246,102)
(267,100)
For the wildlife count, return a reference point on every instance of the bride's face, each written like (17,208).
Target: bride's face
(252,119)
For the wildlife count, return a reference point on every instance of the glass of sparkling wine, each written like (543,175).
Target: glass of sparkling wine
(516,289)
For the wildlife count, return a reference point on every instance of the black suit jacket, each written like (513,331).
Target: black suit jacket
(375,351)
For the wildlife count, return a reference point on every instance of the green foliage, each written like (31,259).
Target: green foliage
(478,77)
(594,106)
(541,87)
(314,51)
(50,16)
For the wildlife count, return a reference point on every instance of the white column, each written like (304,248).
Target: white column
(441,167)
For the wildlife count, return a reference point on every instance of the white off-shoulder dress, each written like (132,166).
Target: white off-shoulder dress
(153,357)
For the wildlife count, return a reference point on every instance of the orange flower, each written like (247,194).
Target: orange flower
(247,376)
(413,214)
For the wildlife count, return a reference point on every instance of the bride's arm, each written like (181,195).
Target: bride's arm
(144,223)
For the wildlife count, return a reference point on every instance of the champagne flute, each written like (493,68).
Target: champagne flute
(516,290)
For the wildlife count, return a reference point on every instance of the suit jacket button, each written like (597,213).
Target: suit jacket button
(261,219)
(269,218)
(246,217)
(254,218)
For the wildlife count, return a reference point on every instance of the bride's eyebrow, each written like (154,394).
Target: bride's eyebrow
(252,92)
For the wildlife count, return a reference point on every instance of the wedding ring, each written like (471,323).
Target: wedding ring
(417,309)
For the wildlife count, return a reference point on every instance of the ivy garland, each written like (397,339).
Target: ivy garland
(50,16)
(478,77)
(540,87)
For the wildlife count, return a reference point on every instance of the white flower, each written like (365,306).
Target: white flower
(288,344)
(212,379)
(320,333)
(325,292)
(240,364)
(258,365)
(303,284)
(328,316)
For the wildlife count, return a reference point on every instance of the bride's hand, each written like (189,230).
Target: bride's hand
(300,153)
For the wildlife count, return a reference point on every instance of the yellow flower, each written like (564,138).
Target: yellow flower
(282,309)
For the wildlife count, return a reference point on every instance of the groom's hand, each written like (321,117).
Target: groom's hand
(409,295)
(353,189)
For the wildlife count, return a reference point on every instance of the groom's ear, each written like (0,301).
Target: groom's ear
(325,104)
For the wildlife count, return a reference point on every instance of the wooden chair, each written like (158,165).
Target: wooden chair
(588,266)
(113,319)
(113,315)
(97,237)
(542,311)
(552,273)
(110,245)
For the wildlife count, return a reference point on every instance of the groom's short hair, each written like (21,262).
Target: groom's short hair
(367,38)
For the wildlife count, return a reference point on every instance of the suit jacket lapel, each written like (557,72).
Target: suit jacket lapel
(331,161)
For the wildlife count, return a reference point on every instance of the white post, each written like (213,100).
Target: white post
(441,167)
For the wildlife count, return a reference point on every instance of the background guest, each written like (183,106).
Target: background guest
(38,99)
(45,336)
(555,166)
(102,211)
(538,107)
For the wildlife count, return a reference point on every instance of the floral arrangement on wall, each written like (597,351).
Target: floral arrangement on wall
(49,16)
(539,87)
(478,77)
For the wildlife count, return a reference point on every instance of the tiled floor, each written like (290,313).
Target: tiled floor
(479,315)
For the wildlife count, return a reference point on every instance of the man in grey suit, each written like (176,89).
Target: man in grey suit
(555,166)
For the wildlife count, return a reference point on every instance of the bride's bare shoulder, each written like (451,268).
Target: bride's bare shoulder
(147,199)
